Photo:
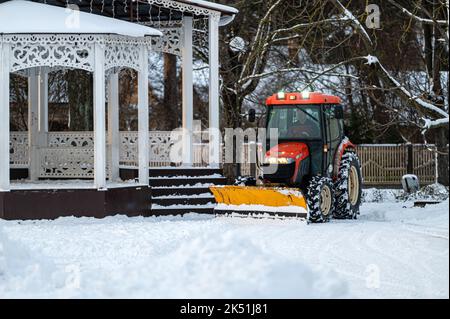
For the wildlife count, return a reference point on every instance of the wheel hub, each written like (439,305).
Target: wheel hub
(353,186)
(325,201)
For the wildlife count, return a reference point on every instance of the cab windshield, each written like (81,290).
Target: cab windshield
(295,121)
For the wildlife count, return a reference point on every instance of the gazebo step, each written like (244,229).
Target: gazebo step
(184,200)
(187,181)
(191,172)
(179,191)
(168,211)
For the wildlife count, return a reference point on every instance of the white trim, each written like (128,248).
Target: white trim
(214,6)
(188,91)
(214,109)
(143,118)
(33,125)
(4,117)
(43,108)
(113,126)
(99,118)
(195,7)
(72,51)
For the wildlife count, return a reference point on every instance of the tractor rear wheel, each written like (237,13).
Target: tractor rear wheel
(348,187)
(320,198)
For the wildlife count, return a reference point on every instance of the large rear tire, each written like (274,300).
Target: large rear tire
(348,188)
(320,198)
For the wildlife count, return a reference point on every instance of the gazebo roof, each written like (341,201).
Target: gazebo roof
(27,17)
(214,6)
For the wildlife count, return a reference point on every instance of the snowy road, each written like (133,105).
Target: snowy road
(391,252)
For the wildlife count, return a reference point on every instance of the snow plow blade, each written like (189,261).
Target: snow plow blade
(257,201)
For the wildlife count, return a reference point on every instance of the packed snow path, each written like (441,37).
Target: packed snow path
(390,252)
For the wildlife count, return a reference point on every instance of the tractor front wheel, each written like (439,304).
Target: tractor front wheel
(320,198)
(348,188)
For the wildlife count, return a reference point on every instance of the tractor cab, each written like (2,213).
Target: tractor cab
(310,128)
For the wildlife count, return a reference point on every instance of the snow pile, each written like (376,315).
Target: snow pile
(24,275)
(434,192)
(226,266)
(375,195)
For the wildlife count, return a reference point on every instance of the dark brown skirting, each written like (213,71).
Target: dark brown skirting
(18,173)
(51,204)
(127,174)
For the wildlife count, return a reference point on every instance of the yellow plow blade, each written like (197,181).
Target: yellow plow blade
(260,200)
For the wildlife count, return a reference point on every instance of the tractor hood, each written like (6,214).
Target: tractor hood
(291,150)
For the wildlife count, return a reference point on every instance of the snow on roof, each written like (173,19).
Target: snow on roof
(26,17)
(213,6)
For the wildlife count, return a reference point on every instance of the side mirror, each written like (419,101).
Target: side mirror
(252,115)
(339,112)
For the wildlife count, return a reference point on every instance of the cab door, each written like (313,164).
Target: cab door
(334,132)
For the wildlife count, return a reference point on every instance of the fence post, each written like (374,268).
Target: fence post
(410,163)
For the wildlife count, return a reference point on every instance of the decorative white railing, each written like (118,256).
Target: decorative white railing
(71,140)
(18,149)
(71,154)
(72,162)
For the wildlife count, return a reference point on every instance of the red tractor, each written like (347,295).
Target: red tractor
(313,156)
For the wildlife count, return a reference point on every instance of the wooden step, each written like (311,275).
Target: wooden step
(170,201)
(175,191)
(191,181)
(179,191)
(133,173)
(191,172)
(181,210)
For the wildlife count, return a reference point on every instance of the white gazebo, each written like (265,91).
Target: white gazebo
(93,43)
(37,37)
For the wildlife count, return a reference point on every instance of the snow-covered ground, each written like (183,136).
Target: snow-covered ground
(392,251)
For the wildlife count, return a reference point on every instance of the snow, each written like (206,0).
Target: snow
(183,206)
(349,16)
(68,184)
(372,60)
(421,102)
(19,17)
(212,176)
(197,185)
(262,208)
(195,196)
(392,251)
(439,122)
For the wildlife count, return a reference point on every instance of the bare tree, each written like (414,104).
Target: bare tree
(325,44)
(430,104)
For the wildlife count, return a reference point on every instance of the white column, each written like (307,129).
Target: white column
(99,119)
(214,111)
(43,108)
(143,119)
(33,125)
(188,91)
(113,126)
(4,117)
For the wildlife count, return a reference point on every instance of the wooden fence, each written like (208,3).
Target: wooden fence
(384,165)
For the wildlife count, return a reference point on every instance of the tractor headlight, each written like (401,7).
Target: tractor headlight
(281,96)
(279,160)
(306,95)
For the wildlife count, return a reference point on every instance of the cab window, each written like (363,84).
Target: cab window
(295,122)
(335,124)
